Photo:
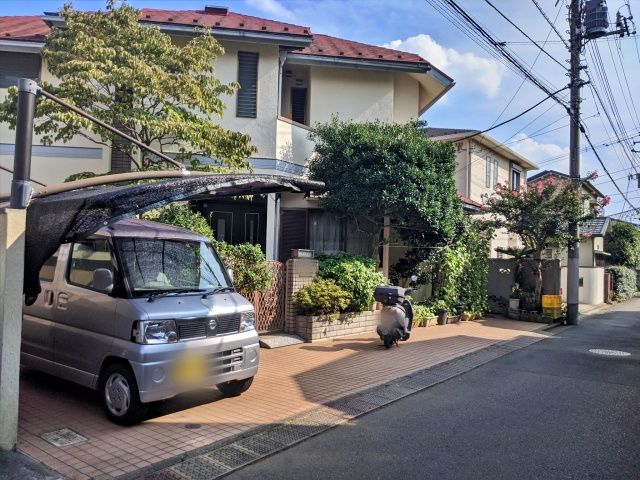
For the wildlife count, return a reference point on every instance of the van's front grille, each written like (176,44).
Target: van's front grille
(228,324)
(201,327)
(191,329)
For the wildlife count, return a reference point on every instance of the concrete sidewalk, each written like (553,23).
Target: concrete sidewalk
(291,380)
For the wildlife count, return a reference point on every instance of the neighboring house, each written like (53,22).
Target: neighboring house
(290,80)
(593,258)
(481,163)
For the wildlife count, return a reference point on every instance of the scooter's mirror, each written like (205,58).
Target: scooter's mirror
(414,278)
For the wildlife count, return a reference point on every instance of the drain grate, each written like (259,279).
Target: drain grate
(200,468)
(609,353)
(63,437)
(231,456)
(260,444)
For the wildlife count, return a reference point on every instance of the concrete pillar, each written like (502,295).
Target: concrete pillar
(12,227)
(272,246)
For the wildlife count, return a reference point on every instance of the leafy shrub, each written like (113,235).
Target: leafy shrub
(421,314)
(623,243)
(251,271)
(624,282)
(321,297)
(441,305)
(180,215)
(356,275)
(250,268)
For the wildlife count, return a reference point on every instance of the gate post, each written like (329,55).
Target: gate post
(300,272)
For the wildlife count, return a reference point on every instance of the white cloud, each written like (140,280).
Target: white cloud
(272,7)
(538,152)
(467,69)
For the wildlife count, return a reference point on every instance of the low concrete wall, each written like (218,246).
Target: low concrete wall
(312,329)
(502,273)
(591,291)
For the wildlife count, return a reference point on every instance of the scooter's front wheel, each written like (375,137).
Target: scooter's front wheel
(388,341)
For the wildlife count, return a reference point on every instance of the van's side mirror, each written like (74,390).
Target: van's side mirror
(103,280)
(230,273)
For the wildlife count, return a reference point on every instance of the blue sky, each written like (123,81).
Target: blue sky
(484,87)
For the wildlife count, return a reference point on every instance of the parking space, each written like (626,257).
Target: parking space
(291,379)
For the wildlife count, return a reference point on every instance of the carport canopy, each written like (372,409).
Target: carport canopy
(74,215)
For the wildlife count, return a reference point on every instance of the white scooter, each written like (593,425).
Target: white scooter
(396,319)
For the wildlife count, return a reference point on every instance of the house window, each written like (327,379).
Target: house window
(548,253)
(14,66)
(515,178)
(495,173)
(299,105)
(248,81)
(488,173)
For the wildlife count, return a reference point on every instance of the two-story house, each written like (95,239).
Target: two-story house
(482,162)
(290,79)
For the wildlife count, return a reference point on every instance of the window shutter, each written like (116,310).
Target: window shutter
(14,66)
(293,232)
(248,81)
(495,172)
(299,105)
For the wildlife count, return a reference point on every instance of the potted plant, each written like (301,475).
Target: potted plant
(528,301)
(442,311)
(514,299)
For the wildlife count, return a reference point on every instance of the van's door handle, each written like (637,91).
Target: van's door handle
(48,297)
(63,298)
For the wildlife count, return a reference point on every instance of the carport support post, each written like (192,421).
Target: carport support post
(12,233)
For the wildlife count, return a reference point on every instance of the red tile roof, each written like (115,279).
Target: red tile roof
(325,45)
(35,29)
(470,202)
(31,29)
(230,20)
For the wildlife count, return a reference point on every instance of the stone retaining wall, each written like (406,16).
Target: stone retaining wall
(312,329)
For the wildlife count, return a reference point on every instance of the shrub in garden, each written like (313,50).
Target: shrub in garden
(356,275)
(250,268)
(321,297)
(624,282)
(421,314)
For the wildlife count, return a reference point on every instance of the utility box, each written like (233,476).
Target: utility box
(552,306)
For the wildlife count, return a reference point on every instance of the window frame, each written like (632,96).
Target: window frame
(238,93)
(487,172)
(114,265)
(515,171)
(55,267)
(496,165)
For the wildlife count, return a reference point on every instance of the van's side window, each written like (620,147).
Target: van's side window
(48,270)
(86,257)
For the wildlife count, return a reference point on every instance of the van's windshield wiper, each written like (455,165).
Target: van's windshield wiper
(213,291)
(163,293)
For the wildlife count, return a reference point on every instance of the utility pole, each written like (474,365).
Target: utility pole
(575,45)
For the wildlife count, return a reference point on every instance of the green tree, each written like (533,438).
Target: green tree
(135,77)
(374,169)
(540,215)
(623,243)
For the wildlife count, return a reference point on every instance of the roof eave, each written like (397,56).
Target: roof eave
(290,40)
(358,63)
(21,46)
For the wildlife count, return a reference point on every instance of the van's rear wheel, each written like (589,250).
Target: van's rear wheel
(235,387)
(119,395)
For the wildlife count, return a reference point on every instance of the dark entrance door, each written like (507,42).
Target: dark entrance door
(293,232)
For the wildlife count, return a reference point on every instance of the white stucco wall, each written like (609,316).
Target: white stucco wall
(358,95)
(292,143)
(405,98)
(592,290)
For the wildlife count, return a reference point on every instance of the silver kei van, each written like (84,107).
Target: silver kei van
(141,312)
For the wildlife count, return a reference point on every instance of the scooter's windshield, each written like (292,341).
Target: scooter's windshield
(168,265)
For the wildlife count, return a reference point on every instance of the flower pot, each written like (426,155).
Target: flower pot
(466,317)
(442,316)
(514,303)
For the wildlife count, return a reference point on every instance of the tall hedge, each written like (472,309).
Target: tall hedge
(624,282)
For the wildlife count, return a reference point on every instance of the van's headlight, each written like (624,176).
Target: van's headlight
(247,321)
(154,331)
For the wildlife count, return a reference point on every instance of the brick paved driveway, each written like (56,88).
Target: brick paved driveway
(291,380)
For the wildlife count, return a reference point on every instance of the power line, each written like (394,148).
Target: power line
(524,33)
(553,24)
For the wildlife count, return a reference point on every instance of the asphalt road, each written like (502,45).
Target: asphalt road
(550,411)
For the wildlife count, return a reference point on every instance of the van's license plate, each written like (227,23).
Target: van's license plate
(190,369)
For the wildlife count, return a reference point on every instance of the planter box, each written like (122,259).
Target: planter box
(314,328)
(431,321)
(514,314)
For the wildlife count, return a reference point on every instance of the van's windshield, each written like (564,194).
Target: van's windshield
(166,265)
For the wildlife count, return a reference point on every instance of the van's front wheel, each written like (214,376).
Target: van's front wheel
(235,387)
(119,394)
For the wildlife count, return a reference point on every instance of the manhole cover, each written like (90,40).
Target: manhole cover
(610,353)
(63,437)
